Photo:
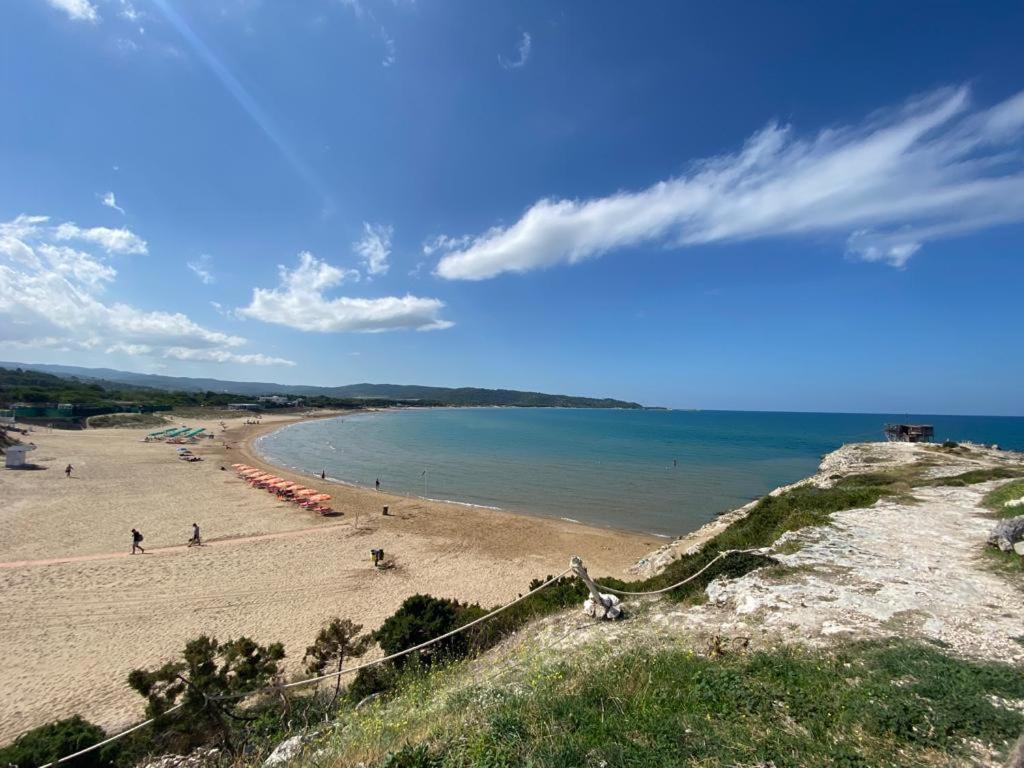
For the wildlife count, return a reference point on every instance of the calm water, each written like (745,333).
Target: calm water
(603,467)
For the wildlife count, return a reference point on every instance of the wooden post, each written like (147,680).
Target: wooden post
(599,605)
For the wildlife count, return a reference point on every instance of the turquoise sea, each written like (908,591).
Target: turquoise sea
(660,472)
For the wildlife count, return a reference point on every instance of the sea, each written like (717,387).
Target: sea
(660,472)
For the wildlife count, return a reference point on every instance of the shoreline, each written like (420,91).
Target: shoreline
(247,445)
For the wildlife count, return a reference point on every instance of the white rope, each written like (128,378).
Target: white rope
(115,737)
(298,683)
(719,556)
(457,630)
(392,656)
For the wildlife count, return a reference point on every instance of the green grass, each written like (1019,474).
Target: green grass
(877,704)
(973,476)
(996,499)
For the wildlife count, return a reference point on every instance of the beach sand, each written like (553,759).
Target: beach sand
(78,613)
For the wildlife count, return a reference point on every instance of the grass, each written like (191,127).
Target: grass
(864,704)
(973,476)
(133,420)
(996,499)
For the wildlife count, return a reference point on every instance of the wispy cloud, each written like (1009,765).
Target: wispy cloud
(374,247)
(389,48)
(201,268)
(119,240)
(934,168)
(361,11)
(52,295)
(299,302)
(441,243)
(77,10)
(110,201)
(522,53)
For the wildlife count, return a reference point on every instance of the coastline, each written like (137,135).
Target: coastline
(247,445)
(79,612)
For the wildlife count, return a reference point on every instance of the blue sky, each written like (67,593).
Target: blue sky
(794,206)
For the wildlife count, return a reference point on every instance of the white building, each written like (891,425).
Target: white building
(15,455)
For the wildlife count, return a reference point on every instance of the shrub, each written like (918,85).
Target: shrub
(421,618)
(209,671)
(336,641)
(379,678)
(56,740)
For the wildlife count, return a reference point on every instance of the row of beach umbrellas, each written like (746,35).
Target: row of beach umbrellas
(307,497)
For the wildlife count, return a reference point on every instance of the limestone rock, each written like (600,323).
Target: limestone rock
(288,749)
(199,758)
(609,610)
(1007,533)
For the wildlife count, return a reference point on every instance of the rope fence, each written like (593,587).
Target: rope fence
(391,657)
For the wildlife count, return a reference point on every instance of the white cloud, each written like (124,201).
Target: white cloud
(77,10)
(445,243)
(223,356)
(934,168)
(111,240)
(299,302)
(374,247)
(389,48)
(522,53)
(201,268)
(51,295)
(110,201)
(128,11)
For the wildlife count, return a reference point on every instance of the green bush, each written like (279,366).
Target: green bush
(58,739)
(421,618)
(208,672)
(379,678)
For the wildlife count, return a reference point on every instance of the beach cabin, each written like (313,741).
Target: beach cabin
(15,456)
(909,433)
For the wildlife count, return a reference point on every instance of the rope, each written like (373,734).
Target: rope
(393,656)
(115,737)
(298,683)
(719,556)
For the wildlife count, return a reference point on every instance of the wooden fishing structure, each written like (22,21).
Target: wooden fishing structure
(909,433)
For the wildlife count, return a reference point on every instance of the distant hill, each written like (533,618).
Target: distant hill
(108,377)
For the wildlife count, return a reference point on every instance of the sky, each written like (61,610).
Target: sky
(766,206)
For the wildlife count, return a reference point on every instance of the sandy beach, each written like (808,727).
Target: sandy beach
(79,612)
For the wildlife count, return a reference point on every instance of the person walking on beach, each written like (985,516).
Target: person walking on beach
(196,540)
(377,484)
(137,542)
(67,471)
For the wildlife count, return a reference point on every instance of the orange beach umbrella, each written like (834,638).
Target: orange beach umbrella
(321,497)
(305,492)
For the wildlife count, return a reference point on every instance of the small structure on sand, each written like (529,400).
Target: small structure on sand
(909,433)
(15,456)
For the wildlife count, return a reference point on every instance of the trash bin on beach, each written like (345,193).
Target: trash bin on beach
(385,510)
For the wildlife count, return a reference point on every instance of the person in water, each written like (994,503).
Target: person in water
(377,484)
(137,542)
(323,474)
(196,540)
